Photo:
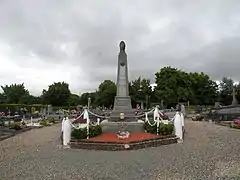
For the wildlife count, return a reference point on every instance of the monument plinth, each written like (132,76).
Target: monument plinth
(122,102)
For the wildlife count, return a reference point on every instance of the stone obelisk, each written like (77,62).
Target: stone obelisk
(122,103)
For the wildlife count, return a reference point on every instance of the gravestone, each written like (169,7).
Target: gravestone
(122,102)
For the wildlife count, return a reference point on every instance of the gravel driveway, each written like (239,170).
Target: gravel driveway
(209,152)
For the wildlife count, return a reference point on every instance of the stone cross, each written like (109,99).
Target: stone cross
(234,101)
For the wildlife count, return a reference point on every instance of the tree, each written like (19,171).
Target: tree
(203,88)
(225,90)
(30,99)
(173,85)
(74,100)
(106,93)
(14,93)
(57,94)
(2,98)
(84,98)
(140,91)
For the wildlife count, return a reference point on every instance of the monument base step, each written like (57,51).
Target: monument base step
(129,115)
(126,119)
(114,127)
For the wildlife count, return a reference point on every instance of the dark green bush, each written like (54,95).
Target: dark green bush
(51,120)
(79,133)
(15,126)
(1,122)
(95,130)
(150,129)
(164,129)
(82,132)
(43,122)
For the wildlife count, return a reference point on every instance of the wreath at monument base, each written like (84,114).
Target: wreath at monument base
(121,116)
(123,135)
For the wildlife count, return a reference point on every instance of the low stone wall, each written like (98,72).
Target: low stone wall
(107,146)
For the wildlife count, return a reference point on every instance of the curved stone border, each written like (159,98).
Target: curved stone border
(134,145)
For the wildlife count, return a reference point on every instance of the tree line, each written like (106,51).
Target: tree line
(172,86)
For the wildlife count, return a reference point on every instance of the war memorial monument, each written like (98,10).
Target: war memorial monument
(123,115)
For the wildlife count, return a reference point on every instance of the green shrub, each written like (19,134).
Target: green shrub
(15,126)
(51,120)
(95,130)
(43,122)
(81,133)
(1,122)
(164,129)
(150,129)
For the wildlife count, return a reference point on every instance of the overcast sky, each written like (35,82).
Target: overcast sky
(76,41)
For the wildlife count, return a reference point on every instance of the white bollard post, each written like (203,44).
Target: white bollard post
(146,116)
(157,126)
(86,116)
(31,121)
(98,121)
(87,128)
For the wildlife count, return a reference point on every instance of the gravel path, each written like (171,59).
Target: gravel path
(208,152)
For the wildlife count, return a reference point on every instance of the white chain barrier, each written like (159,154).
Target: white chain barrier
(144,114)
(85,115)
(99,116)
(157,118)
(78,116)
(97,123)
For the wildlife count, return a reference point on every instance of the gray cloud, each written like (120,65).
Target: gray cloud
(191,35)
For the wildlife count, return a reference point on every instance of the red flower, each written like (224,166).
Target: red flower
(164,116)
(237,121)
(79,120)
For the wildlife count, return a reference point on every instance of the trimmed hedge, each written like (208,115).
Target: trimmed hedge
(163,129)
(81,133)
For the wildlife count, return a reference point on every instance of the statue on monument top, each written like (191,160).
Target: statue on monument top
(122,46)
(122,57)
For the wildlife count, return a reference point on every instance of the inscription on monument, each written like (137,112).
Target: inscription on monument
(121,102)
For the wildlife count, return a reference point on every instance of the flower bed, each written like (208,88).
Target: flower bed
(110,142)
